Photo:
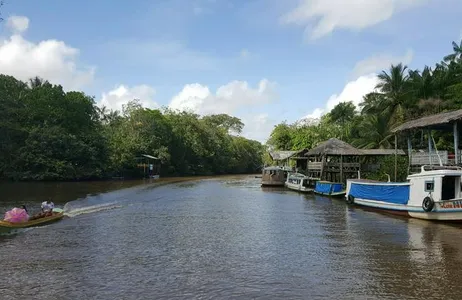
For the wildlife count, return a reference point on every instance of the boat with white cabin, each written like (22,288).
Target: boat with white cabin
(300,182)
(432,194)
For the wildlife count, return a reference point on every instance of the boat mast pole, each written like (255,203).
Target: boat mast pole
(456,143)
(409,150)
(396,156)
(429,147)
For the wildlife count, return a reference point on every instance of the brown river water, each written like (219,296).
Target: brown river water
(221,238)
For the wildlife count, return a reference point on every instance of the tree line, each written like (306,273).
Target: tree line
(49,134)
(402,94)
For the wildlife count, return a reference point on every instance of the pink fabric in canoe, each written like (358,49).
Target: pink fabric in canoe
(16,215)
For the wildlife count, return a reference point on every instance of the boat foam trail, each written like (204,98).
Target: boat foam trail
(73,212)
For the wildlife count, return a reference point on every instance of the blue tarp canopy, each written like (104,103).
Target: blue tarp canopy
(397,194)
(328,187)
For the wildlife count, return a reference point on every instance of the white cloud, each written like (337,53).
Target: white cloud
(236,98)
(365,82)
(228,98)
(122,94)
(380,62)
(324,16)
(18,24)
(52,60)
(353,91)
(258,127)
(315,114)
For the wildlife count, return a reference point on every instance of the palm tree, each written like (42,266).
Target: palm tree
(396,89)
(374,132)
(343,113)
(457,55)
(422,83)
(373,103)
(36,82)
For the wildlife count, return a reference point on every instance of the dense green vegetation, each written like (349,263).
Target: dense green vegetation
(402,94)
(49,134)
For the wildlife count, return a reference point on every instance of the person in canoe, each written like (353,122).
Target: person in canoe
(47,207)
(47,210)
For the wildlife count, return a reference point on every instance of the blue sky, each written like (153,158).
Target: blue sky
(264,61)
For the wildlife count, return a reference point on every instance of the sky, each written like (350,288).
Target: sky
(264,61)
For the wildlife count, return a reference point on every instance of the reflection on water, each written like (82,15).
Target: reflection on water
(229,238)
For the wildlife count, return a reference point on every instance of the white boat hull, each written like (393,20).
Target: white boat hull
(298,188)
(449,210)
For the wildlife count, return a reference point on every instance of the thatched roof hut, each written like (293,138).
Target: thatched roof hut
(282,155)
(442,121)
(334,147)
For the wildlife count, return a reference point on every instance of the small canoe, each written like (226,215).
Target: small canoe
(42,221)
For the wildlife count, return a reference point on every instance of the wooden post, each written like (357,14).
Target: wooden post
(456,143)
(409,150)
(308,166)
(396,156)
(341,168)
(429,147)
(323,158)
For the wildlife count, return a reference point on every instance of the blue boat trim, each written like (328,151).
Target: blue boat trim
(328,188)
(389,193)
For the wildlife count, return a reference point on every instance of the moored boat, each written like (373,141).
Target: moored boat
(274,176)
(4,225)
(300,182)
(331,189)
(433,194)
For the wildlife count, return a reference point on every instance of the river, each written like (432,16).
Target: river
(223,238)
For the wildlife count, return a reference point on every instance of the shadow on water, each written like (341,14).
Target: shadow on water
(77,198)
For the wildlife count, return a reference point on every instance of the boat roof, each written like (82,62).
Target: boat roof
(297,175)
(438,171)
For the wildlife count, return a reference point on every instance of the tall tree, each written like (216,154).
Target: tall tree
(456,56)
(342,114)
(394,85)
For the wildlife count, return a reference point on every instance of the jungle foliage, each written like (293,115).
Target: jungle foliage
(49,134)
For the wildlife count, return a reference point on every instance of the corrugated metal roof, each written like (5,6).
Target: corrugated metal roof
(379,152)
(437,120)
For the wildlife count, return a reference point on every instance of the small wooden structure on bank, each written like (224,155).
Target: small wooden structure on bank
(447,121)
(150,165)
(333,160)
(336,160)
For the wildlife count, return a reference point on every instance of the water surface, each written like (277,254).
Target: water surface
(223,239)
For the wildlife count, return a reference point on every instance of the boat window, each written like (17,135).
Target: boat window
(429,186)
(448,188)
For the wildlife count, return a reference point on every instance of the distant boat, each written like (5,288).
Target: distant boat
(433,194)
(300,182)
(331,189)
(274,176)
